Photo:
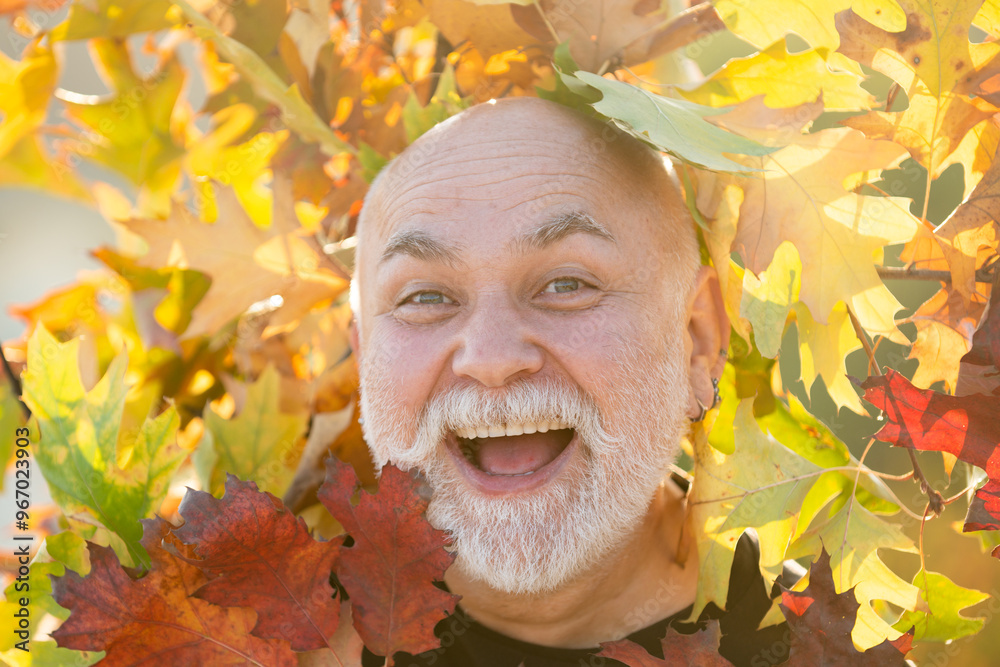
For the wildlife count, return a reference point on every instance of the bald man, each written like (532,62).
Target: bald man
(535,333)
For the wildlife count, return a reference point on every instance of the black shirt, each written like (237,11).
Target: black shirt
(465,643)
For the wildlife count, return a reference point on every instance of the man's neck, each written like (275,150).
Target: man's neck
(648,579)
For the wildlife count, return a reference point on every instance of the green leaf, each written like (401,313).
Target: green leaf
(674,126)
(11,418)
(79,445)
(262,442)
(296,113)
(946,600)
(444,103)
(761,485)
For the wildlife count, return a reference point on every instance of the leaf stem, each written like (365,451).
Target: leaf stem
(545,20)
(863,337)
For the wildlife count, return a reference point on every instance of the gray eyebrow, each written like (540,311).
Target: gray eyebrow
(420,245)
(558,228)
(423,246)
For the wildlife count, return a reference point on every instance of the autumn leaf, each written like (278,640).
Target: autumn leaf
(260,443)
(945,324)
(115,19)
(675,126)
(735,492)
(812,20)
(786,80)
(699,649)
(246,263)
(257,554)
(972,229)
(946,600)
(965,426)
(821,622)
(801,197)
(132,619)
(389,570)
(86,466)
(979,370)
(937,66)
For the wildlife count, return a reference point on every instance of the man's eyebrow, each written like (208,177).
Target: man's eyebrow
(421,245)
(558,228)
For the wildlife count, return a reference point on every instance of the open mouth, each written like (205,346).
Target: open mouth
(495,453)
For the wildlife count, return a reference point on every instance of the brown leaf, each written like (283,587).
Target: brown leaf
(257,554)
(491,28)
(821,621)
(965,426)
(700,649)
(133,619)
(389,571)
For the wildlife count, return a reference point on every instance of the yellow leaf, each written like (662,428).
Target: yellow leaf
(945,324)
(823,350)
(768,298)
(763,22)
(800,197)
(246,263)
(937,66)
(786,80)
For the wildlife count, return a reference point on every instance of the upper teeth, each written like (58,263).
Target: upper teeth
(496,430)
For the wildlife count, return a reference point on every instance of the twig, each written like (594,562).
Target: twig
(934,499)
(14,383)
(983,275)
(545,20)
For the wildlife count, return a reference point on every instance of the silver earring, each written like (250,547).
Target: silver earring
(703,409)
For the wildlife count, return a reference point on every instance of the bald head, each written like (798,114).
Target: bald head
(521,161)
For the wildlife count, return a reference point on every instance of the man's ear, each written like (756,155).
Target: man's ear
(352,337)
(708,330)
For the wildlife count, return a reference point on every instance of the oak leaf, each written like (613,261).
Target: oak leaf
(133,619)
(945,600)
(937,66)
(945,324)
(821,622)
(966,426)
(801,197)
(699,649)
(257,554)
(389,570)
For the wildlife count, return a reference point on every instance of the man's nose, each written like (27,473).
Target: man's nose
(496,345)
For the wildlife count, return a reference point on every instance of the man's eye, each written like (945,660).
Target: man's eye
(427,299)
(563,285)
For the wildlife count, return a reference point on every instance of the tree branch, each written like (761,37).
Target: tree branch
(983,275)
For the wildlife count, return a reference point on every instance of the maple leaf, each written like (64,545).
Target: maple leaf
(133,619)
(699,649)
(936,65)
(261,443)
(965,426)
(255,263)
(389,570)
(78,451)
(257,554)
(821,622)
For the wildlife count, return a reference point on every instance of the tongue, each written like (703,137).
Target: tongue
(518,454)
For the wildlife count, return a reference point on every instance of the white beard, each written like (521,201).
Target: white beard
(539,541)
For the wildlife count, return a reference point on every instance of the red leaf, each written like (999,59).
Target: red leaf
(966,426)
(135,619)
(821,621)
(700,649)
(397,554)
(257,554)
